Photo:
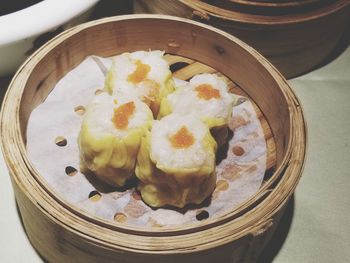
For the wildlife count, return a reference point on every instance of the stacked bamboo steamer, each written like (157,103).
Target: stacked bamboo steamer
(61,232)
(296,36)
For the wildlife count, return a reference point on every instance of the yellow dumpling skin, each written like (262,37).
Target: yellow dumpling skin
(110,137)
(176,162)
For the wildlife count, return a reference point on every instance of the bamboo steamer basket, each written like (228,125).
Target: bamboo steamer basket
(295,43)
(62,233)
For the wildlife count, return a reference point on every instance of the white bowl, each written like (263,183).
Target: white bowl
(20,29)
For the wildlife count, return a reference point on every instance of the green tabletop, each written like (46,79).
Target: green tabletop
(320,224)
(316,226)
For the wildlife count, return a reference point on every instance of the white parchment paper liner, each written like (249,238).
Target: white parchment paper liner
(239,176)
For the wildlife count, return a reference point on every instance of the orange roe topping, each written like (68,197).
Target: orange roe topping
(207,92)
(140,72)
(182,139)
(122,115)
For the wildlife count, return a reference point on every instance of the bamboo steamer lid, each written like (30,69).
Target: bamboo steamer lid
(295,41)
(62,233)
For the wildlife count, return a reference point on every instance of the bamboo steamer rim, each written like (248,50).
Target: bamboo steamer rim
(273,4)
(221,231)
(205,11)
(268,8)
(271,1)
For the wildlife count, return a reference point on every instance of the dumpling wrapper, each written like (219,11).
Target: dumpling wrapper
(106,150)
(144,74)
(206,96)
(181,174)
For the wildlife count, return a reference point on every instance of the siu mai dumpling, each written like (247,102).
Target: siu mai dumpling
(176,162)
(110,137)
(142,74)
(206,96)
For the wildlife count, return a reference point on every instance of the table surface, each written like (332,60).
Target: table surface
(316,226)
